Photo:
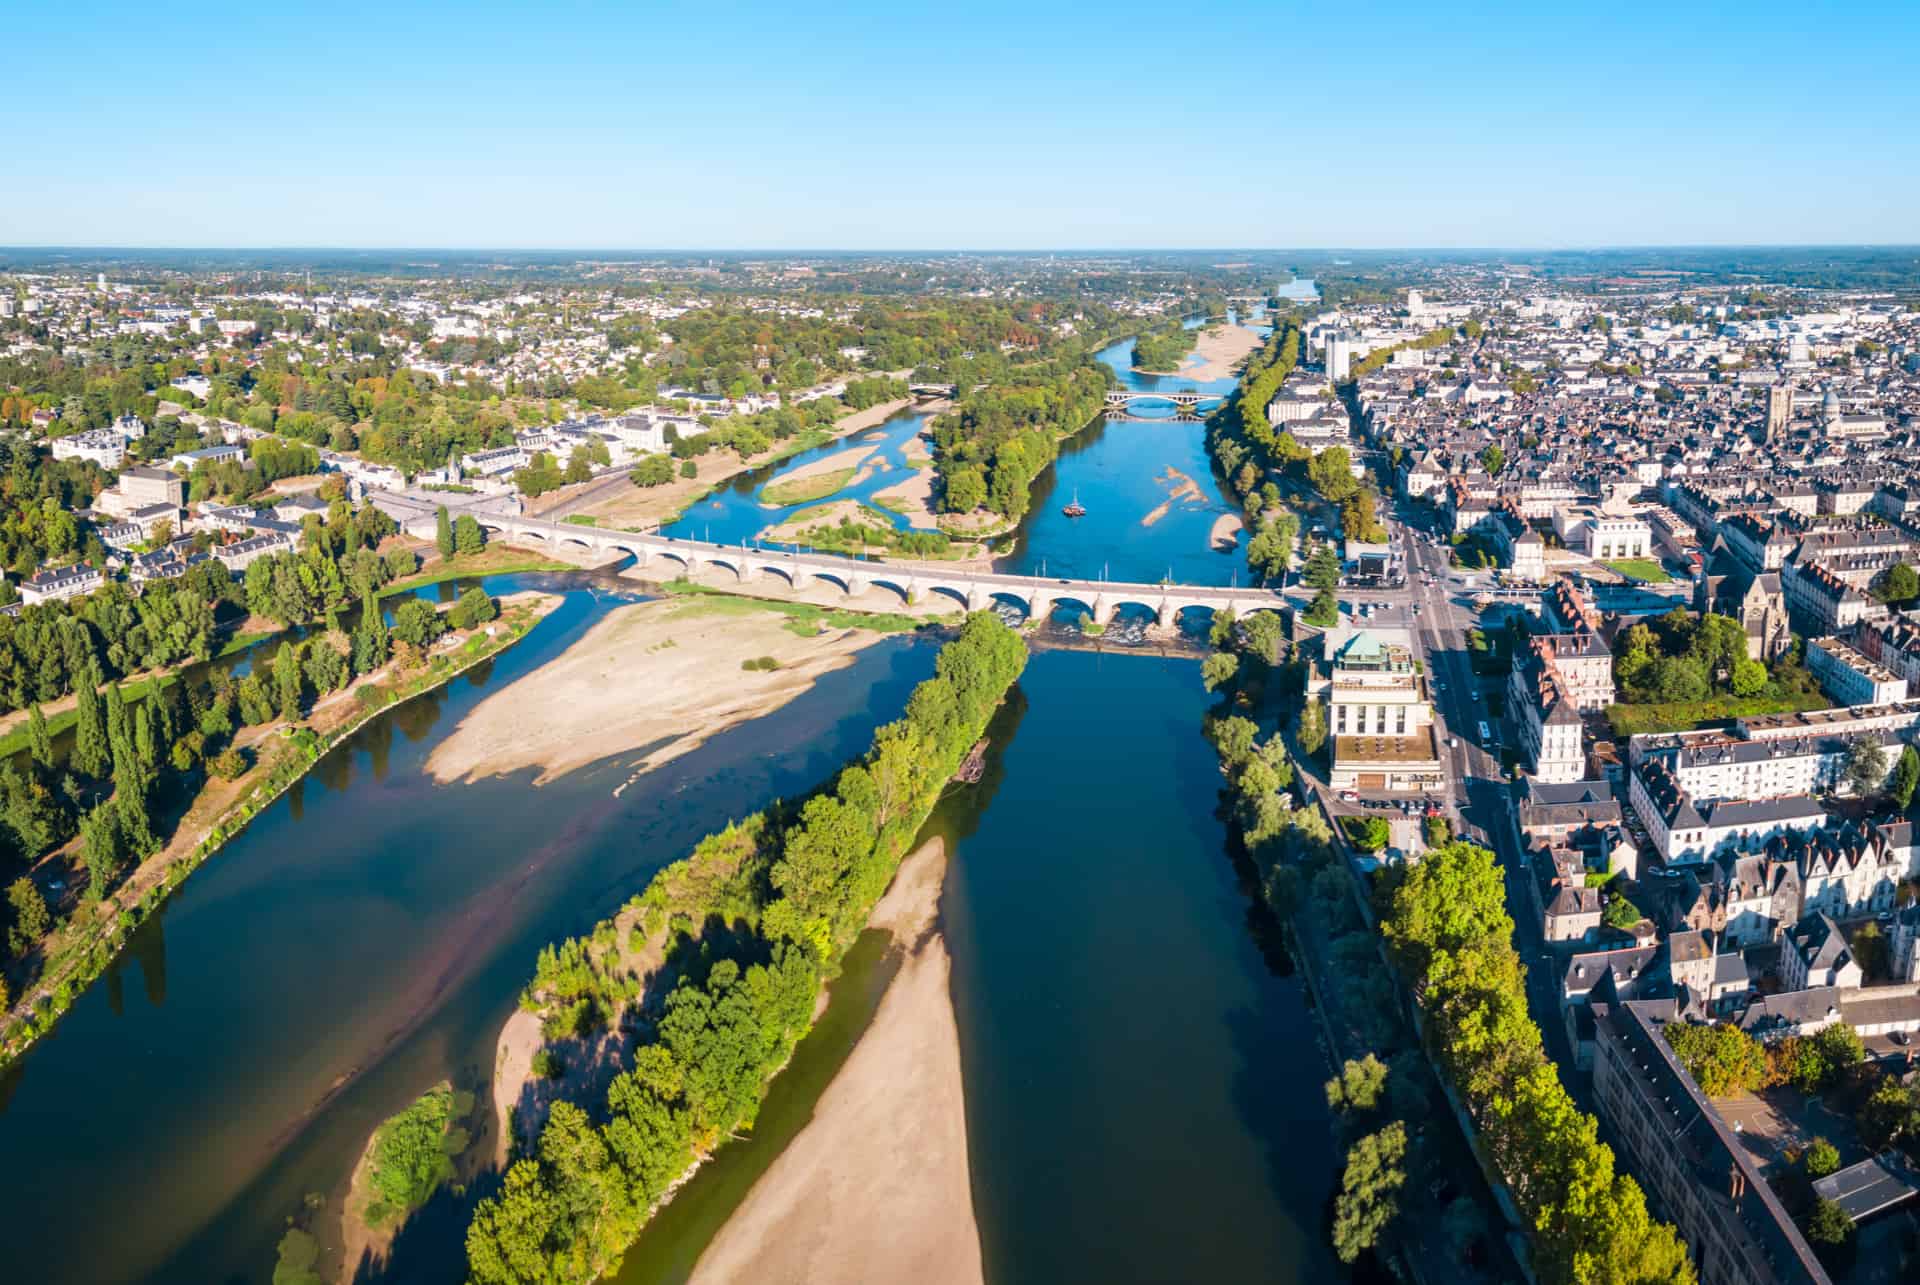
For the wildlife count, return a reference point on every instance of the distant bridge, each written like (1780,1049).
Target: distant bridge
(912,581)
(1119,399)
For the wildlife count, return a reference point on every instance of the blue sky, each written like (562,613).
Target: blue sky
(969,125)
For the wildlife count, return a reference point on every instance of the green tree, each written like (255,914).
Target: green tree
(1828,1225)
(1821,1159)
(1866,767)
(39,739)
(286,681)
(1899,584)
(1359,1085)
(1218,669)
(30,920)
(1311,732)
(1906,776)
(91,755)
(1493,459)
(1332,473)
(443,531)
(654,470)
(1722,1059)
(468,537)
(1369,1196)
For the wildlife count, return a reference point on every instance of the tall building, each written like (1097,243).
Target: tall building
(1380,723)
(1779,410)
(1339,356)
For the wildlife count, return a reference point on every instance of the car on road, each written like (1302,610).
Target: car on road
(1453,742)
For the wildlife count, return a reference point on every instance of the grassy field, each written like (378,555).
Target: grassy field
(1683,716)
(803,618)
(1645,570)
(494,560)
(806,489)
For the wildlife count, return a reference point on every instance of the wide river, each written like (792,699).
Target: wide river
(1142,1077)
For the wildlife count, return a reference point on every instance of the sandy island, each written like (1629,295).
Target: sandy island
(1182,489)
(912,499)
(876,1187)
(1218,353)
(652,673)
(1225,535)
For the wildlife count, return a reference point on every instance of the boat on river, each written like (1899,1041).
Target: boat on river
(1075,509)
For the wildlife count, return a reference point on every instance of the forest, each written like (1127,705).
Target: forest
(759,917)
(1162,349)
(989,449)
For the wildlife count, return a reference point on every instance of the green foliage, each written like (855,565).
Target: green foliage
(409,1157)
(1620,912)
(1866,767)
(443,532)
(798,888)
(1369,1196)
(296,1258)
(1493,459)
(760,664)
(1218,669)
(1828,1225)
(1369,834)
(468,537)
(1447,928)
(1438,830)
(28,918)
(1821,1158)
(1899,584)
(1906,776)
(474,607)
(1722,1059)
(994,443)
(1359,1086)
(1311,732)
(654,470)
(1162,350)
(1814,1063)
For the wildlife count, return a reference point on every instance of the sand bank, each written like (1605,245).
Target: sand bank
(876,1187)
(1182,489)
(1220,351)
(664,674)
(912,499)
(1226,532)
(836,462)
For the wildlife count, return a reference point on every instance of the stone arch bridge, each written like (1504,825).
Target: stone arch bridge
(914,581)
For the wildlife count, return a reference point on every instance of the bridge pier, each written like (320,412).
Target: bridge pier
(1039,606)
(857,585)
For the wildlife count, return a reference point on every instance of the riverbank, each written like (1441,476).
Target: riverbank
(644,508)
(877,1186)
(282,753)
(912,500)
(588,704)
(1181,489)
(1221,351)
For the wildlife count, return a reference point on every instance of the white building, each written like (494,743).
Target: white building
(1850,678)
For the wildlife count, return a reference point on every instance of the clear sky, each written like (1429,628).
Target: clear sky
(963,125)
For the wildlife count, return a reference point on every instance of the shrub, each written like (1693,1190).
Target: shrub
(230,764)
(761,664)
(546,1065)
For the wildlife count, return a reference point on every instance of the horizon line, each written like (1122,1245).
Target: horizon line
(1544,248)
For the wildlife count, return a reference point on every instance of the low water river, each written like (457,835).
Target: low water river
(1142,1078)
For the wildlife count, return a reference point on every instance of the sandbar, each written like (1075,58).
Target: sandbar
(664,674)
(877,1186)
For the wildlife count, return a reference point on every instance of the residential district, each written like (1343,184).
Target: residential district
(1640,621)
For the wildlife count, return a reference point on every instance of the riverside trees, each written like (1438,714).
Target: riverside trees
(988,450)
(797,886)
(1448,931)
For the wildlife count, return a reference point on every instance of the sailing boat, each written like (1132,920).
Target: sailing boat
(1075,509)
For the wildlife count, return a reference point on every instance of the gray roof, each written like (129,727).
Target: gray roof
(1865,1189)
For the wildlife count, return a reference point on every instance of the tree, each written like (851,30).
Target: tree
(28,910)
(1722,1059)
(1866,767)
(1369,1191)
(1323,568)
(1889,1115)
(39,739)
(1493,459)
(443,531)
(1218,669)
(1822,1158)
(1332,474)
(1828,1224)
(1749,677)
(416,623)
(91,755)
(1899,584)
(1906,776)
(1359,1085)
(654,470)
(1621,913)
(1312,729)
(467,535)
(1369,834)
(286,680)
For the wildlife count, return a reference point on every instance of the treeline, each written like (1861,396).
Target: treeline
(1163,349)
(781,896)
(1243,443)
(38,496)
(1449,934)
(995,442)
(1438,337)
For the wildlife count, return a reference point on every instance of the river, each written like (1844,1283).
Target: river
(1142,1080)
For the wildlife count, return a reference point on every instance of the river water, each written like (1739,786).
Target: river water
(1142,1082)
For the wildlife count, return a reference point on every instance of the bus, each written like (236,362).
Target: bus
(1486,735)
